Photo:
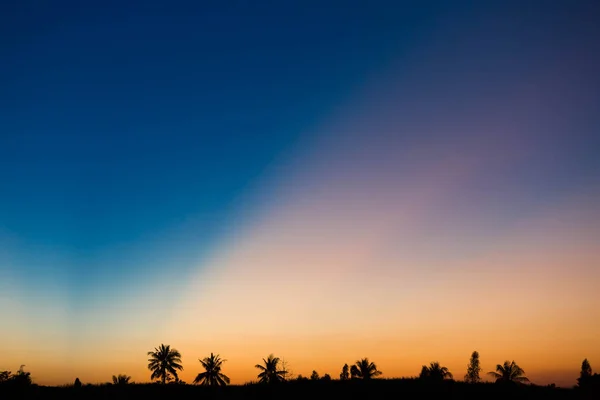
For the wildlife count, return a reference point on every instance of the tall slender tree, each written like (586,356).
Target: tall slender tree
(345,374)
(473,369)
(585,374)
(164,362)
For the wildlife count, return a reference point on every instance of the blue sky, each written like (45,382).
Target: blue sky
(121,121)
(138,137)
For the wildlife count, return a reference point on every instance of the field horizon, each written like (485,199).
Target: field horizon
(329,181)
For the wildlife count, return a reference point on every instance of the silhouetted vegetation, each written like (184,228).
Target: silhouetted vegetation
(363,369)
(473,369)
(270,372)
(164,363)
(510,372)
(586,372)
(121,379)
(588,382)
(434,381)
(293,389)
(21,378)
(434,372)
(345,374)
(212,375)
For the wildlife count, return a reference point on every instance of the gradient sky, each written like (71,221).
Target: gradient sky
(404,181)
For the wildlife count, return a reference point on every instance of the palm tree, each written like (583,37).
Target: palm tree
(435,372)
(212,375)
(121,379)
(164,362)
(364,369)
(269,371)
(509,372)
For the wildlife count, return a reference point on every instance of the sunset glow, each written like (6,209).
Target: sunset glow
(445,202)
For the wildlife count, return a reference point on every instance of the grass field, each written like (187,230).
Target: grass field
(375,389)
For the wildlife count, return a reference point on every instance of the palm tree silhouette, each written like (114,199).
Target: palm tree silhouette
(121,379)
(509,372)
(364,369)
(269,371)
(435,372)
(212,375)
(164,362)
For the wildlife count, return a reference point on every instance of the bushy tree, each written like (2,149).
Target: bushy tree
(314,376)
(21,378)
(5,376)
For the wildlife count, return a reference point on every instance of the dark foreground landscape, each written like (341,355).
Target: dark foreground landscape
(375,389)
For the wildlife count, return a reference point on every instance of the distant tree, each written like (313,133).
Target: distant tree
(285,367)
(314,376)
(212,375)
(164,363)
(5,376)
(363,369)
(77,383)
(473,369)
(121,379)
(301,378)
(345,374)
(585,374)
(435,372)
(326,377)
(21,378)
(270,372)
(509,372)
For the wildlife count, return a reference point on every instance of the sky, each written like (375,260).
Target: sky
(326,181)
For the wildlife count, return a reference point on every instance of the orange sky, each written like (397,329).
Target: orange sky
(406,234)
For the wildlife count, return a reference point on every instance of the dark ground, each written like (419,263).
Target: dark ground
(376,389)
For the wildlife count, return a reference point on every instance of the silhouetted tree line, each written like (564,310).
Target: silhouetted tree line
(165,362)
(19,379)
